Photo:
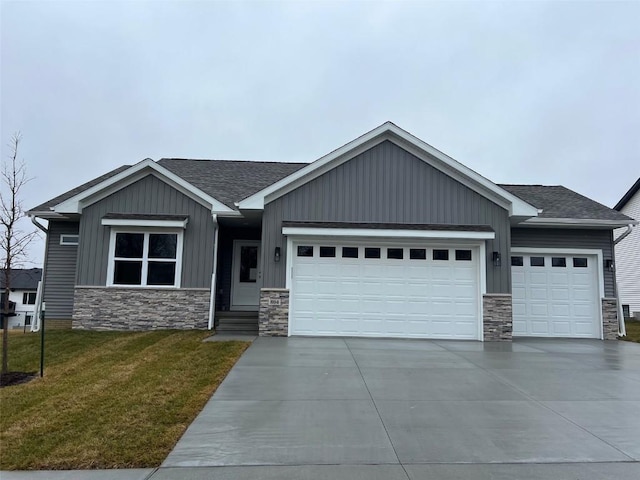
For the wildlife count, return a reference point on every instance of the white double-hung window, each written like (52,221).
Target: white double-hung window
(144,258)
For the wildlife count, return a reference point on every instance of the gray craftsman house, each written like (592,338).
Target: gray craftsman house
(383,237)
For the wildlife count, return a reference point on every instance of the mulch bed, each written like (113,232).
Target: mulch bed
(16,378)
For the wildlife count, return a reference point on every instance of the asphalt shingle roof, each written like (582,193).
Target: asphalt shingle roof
(229,181)
(43,207)
(557,201)
(22,278)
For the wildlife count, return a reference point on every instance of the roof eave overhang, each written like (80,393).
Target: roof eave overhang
(75,204)
(575,223)
(410,143)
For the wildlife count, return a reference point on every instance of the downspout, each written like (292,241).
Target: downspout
(622,329)
(35,321)
(212,299)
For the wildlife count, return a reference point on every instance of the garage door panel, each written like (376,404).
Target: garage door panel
(557,301)
(418,298)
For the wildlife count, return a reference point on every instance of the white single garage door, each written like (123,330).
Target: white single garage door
(555,295)
(384,290)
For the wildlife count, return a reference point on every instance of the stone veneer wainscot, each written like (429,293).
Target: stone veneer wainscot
(497,312)
(114,308)
(273,316)
(610,318)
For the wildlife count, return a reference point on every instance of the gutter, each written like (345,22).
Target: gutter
(36,322)
(622,328)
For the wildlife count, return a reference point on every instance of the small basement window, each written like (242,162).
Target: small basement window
(517,261)
(66,239)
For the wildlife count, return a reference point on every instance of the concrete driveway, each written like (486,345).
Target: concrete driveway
(397,409)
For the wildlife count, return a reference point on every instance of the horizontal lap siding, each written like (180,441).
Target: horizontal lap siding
(385,184)
(628,259)
(149,195)
(569,238)
(60,271)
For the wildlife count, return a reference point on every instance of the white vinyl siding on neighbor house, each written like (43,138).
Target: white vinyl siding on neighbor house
(386,288)
(628,259)
(556,294)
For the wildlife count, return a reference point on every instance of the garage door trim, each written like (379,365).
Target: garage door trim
(293,240)
(575,251)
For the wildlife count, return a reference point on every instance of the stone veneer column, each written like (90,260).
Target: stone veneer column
(114,308)
(610,318)
(497,312)
(273,316)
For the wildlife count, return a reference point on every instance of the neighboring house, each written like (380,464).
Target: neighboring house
(628,254)
(24,286)
(383,237)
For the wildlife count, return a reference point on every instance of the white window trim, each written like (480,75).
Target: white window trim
(145,258)
(574,251)
(69,239)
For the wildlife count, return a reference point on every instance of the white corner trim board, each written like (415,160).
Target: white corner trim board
(386,233)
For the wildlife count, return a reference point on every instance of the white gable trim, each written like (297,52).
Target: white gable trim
(131,222)
(415,146)
(131,175)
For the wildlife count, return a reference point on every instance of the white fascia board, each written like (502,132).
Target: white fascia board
(136,172)
(576,222)
(130,222)
(390,131)
(385,233)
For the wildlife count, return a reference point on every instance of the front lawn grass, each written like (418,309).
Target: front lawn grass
(107,399)
(633,331)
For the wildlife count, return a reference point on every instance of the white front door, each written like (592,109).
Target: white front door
(245,292)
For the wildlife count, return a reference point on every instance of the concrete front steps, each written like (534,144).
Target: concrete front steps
(239,323)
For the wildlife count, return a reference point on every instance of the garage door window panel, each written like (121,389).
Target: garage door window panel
(418,253)
(558,262)
(371,252)
(442,255)
(580,262)
(327,252)
(536,261)
(395,253)
(463,255)
(349,252)
(305,251)
(517,261)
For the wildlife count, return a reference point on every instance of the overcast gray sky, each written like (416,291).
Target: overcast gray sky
(522,92)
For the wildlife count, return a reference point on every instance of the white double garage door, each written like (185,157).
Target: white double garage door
(378,289)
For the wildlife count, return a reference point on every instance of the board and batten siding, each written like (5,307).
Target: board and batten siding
(150,195)
(568,239)
(628,259)
(385,184)
(60,271)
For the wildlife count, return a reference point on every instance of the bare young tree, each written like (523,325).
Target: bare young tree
(13,241)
